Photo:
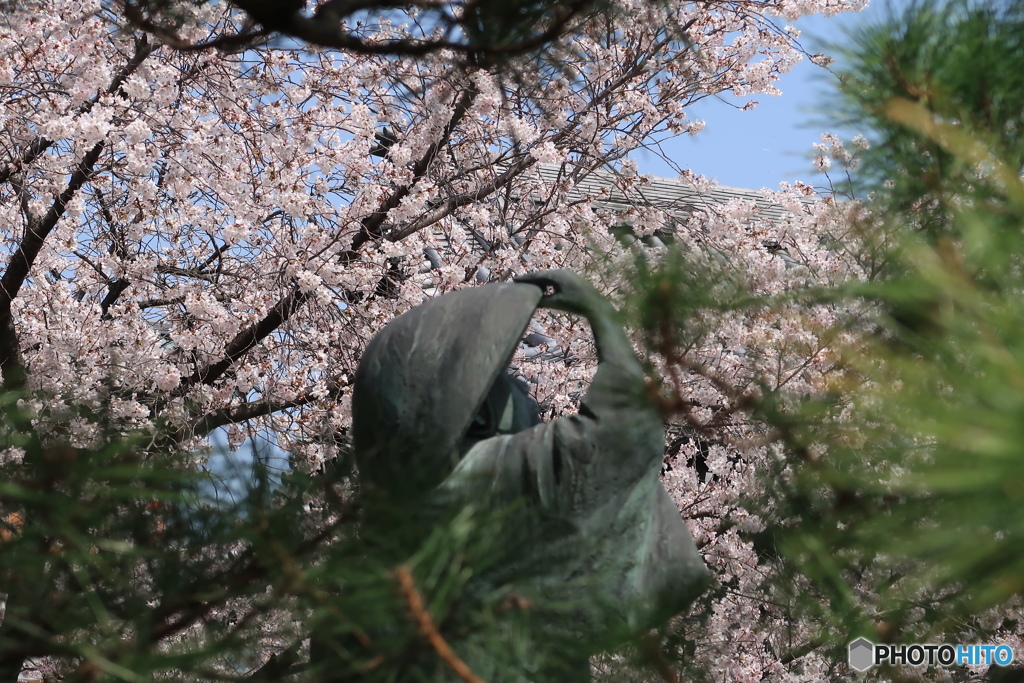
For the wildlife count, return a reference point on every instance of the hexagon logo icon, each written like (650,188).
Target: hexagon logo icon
(862,654)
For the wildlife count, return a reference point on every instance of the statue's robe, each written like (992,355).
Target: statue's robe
(594,530)
(605,534)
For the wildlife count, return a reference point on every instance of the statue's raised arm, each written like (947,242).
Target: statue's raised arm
(564,290)
(618,408)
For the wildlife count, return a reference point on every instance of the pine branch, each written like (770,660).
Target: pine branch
(326,28)
(429,630)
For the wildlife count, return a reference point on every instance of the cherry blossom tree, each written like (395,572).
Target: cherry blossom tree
(205,239)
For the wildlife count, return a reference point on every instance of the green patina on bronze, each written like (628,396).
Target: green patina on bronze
(434,415)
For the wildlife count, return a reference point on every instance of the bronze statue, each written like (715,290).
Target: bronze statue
(436,414)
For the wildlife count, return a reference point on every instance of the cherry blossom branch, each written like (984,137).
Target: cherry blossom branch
(197,273)
(247,339)
(117,287)
(18,267)
(160,301)
(429,630)
(248,411)
(11,367)
(143,49)
(296,298)
(371,225)
(450,205)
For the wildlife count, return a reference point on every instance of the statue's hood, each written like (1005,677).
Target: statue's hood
(424,376)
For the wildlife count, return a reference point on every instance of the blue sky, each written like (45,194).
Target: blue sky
(771,143)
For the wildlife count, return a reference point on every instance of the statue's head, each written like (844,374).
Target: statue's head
(507,409)
(434,382)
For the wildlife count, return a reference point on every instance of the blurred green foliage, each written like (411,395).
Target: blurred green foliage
(914,527)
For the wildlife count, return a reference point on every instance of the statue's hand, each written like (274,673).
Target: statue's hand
(619,373)
(564,290)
